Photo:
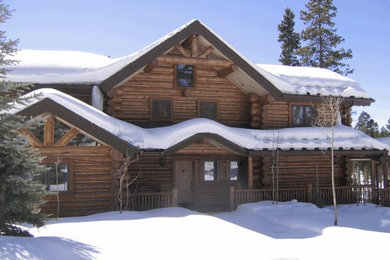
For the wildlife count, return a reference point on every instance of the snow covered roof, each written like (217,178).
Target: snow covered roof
(162,138)
(311,81)
(385,140)
(71,67)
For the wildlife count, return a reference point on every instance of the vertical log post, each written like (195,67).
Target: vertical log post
(174,197)
(250,172)
(309,193)
(48,131)
(232,202)
(385,173)
(373,181)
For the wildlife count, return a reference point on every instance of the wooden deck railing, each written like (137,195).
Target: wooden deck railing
(248,196)
(344,195)
(151,200)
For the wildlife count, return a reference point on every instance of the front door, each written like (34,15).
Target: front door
(184,182)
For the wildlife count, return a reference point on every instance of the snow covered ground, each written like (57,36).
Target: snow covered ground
(289,230)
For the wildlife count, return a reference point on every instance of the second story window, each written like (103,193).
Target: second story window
(160,109)
(208,109)
(185,75)
(303,115)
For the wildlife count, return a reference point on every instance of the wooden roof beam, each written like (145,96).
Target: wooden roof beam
(176,59)
(226,71)
(187,44)
(65,139)
(30,137)
(206,52)
(151,66)
(184,52)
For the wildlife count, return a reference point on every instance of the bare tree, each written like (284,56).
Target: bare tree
(275,165)
(328,116)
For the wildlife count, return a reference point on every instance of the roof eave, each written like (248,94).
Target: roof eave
(352,101)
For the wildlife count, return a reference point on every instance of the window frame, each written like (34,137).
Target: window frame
(176,79)
(208,101)
(70,174)
(291,115)
(230,168)
(217,171)
(151,102)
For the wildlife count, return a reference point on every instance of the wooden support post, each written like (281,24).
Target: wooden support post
(174,197)
(309,191)
(48,136)
(194,48)
(232,201)
(373,182)
(385,172)
(250,172)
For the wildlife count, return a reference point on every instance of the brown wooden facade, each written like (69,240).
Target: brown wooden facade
(129,96)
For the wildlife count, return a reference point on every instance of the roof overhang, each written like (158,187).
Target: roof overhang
(46,105)
(226,144)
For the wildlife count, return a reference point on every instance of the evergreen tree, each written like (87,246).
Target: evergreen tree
(384,132)
(367,125)
(20,194)
(289,39)
(321,49)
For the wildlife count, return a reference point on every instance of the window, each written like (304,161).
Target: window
(303,115)
(56,182)
(210,170)
(208,110)
(185,75)
(161,109)
(233,171)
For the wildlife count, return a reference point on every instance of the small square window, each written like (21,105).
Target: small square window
(208,110)
(161,109)
(303,115)
(57,177)
(210,170)
(185,75)
(233,171)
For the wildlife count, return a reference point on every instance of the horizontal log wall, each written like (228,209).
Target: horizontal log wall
(299,171)
(131,101)
(91,180)
(154,174)
(275,115)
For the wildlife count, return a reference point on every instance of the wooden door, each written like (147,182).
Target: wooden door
(184,176)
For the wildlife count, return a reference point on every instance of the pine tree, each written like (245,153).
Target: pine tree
(289,39)
(384,132)
(321,49)
(367,125)
(20,194)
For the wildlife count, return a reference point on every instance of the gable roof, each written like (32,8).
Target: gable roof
(74,112)
(292,84)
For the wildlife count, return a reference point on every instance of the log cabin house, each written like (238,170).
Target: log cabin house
(188,121)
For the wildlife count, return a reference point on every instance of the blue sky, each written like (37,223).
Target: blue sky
(120,27)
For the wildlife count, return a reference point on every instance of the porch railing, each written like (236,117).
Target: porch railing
(323,196)
(151,200)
